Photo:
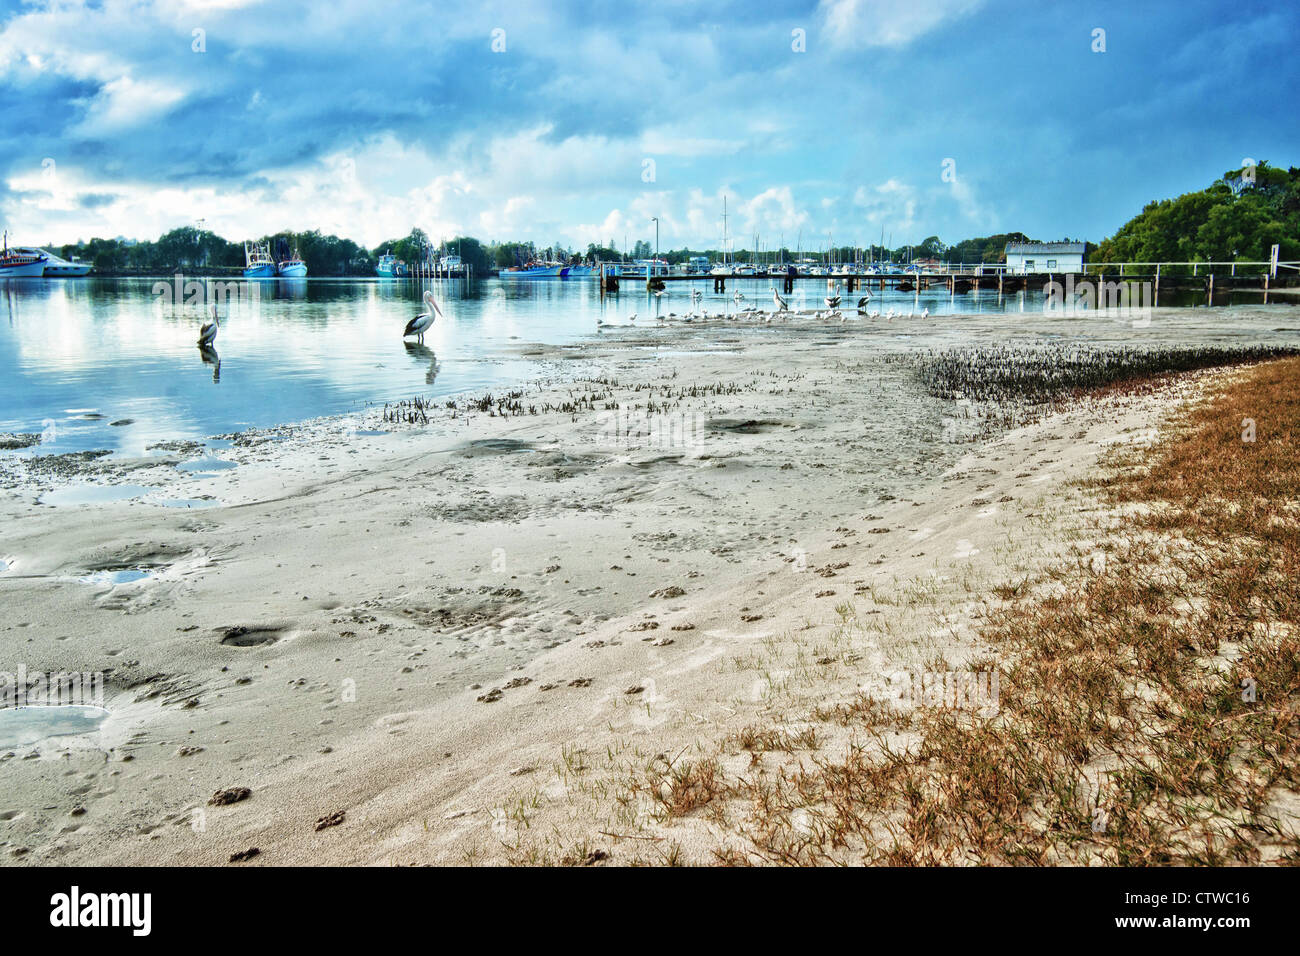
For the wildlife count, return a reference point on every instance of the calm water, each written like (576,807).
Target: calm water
(78,356)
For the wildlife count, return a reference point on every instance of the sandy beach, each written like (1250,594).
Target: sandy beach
(458,638)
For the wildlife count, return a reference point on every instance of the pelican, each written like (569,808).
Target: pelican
(832,299)
(208,330)
(863,302)
(420,324)
(696,296)
(781,304)
(925,313)
(632,317)
(738,298)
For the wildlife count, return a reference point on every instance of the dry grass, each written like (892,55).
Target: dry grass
(1148,707)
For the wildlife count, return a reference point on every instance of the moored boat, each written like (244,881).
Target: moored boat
(258,263)
(289,264)
(389,267)
(56,267)
(21,263)
(534,270)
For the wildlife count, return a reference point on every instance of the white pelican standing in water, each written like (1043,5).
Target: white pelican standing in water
(781,304)
(420,324)
(208,330)
(832,299)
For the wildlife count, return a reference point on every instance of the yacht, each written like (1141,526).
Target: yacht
(56,267)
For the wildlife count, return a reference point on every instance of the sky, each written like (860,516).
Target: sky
(581,122)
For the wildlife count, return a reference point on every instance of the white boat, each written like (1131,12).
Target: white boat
(57,267)
(21,263)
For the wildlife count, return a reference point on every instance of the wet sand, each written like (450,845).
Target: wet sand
(425,628)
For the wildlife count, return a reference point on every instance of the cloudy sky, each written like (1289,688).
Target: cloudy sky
(580,121)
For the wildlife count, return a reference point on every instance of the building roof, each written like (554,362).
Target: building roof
(1045,247)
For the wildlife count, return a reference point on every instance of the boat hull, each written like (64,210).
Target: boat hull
(541,272)
(65,271)
(25,270)
(264,271)
(293,270)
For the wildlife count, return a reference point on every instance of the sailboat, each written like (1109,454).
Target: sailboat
(722,268)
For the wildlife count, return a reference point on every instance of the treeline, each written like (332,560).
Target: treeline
(1240,216)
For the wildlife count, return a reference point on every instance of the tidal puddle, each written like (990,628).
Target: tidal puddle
(370,432)
(117,576)
(93,494)
(20,726)
(205,466)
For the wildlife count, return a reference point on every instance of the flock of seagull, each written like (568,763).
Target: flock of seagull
(421,323)
(833,301)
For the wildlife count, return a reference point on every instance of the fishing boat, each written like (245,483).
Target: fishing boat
(21,263)
(389,267)
(534,270)
(258,263)
(289,264)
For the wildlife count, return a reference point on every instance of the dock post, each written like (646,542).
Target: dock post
(1157,281)
(1209,298)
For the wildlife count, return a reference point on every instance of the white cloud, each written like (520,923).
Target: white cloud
(856,24)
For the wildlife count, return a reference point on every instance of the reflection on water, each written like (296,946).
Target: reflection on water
(110,363)
(20,726)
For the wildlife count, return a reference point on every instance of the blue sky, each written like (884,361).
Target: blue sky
(366,119)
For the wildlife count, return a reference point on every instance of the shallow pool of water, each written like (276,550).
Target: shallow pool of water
(21,726)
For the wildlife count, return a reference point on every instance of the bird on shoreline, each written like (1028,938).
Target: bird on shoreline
(832,298)
(208,330)
(420,324)
(863,302)
(781,304)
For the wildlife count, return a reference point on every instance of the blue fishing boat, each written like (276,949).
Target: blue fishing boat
(534,270)
(289,264)
(258,263)
(389,267)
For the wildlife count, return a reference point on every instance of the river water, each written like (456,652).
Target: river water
(113,363)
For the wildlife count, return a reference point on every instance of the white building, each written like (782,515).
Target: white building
(1025,258)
